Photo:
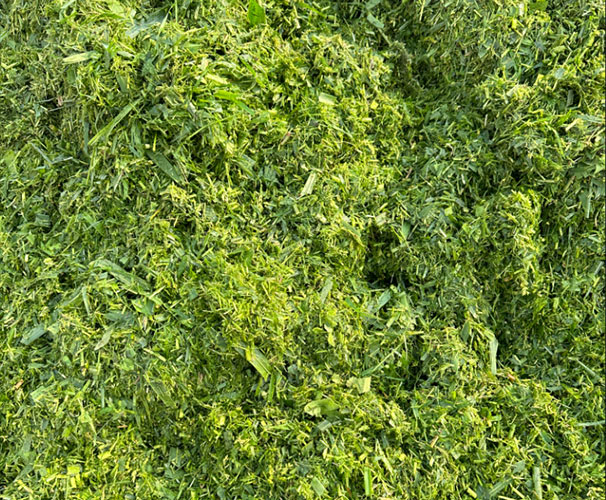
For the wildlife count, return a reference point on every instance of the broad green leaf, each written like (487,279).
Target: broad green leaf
(256,13)
(318,487)
(73,470)
(227,95)
(259,361)
(327,99)
(312,9)
(104,340)
(383,299)
(216,78)
(235,98)
(38,394)
(166,166)
(465,331)
(541,5)
(592,119)
(33,334)
(361,384)
(406,227)
(139,26)
(320,407)
(162,392)
(326,290)
(256,358)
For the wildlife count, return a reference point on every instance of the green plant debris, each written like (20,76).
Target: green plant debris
(35,333)
(105,131)
(256,358)
(82,57)
(367,481)
(361,384)
(318,487)
(325,406)
(167,167)
(256,13)
(297,250)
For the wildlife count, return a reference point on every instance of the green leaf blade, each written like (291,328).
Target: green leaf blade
(256,13)
(166,166)
(34,334)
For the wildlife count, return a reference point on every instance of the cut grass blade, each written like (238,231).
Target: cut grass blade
(105,131)
(167,167)
(367,481)
(257,359)
(34,334)
(82,57)
(132,281)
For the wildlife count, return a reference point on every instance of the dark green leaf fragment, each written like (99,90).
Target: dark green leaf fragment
(166,166)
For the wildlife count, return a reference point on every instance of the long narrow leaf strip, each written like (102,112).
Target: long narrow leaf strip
(107,129)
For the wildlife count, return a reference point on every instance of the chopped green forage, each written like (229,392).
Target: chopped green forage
(256,358)
(367,481)
(256,13)
(318,487)
(167,167)
(287,249)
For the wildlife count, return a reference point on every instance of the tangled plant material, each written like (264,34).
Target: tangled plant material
(289,250)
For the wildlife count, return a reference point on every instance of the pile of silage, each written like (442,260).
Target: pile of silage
(290,250)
